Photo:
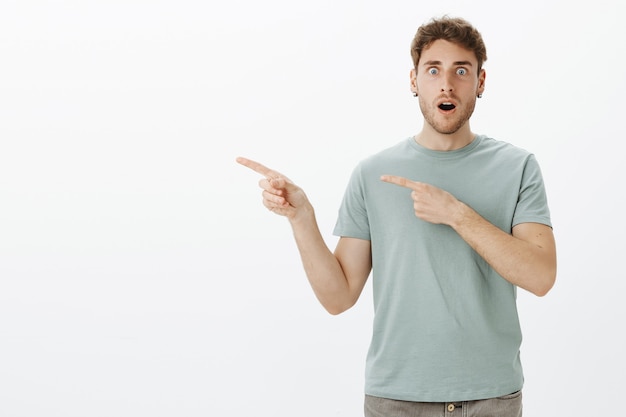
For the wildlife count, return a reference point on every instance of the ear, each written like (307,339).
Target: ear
(481,81)
(413,81)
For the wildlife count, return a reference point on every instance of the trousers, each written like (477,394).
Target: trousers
(505,406)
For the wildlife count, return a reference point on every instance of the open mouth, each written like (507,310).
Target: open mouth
(447,106)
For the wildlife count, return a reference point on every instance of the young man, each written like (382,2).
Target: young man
(450,223)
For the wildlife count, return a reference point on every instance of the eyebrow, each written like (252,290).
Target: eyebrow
(456,63)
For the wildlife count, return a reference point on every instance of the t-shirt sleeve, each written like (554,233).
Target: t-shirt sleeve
(352,220)
(532,205)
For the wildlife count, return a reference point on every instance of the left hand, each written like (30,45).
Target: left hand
(430,203)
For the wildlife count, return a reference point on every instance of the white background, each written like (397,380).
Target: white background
(141,276)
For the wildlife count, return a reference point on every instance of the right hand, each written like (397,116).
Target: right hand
(280,194)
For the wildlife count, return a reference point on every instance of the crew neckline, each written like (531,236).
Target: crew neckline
(446,154)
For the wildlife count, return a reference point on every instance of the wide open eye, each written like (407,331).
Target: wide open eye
(433,71)
(461,71)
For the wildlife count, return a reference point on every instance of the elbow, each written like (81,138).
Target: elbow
(335,309)
(545,284)
(542,291)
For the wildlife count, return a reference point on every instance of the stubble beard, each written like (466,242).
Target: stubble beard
(446,125)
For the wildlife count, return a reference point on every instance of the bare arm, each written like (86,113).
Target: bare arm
(337,278)
(526,258)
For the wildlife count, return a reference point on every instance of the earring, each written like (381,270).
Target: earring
(414,94)
(480,96)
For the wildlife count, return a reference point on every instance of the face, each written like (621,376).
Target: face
(447,82)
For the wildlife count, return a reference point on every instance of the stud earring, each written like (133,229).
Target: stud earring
(480,96)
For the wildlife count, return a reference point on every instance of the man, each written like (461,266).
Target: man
(450,223)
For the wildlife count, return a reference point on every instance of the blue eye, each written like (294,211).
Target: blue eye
(461,71)
(433,71)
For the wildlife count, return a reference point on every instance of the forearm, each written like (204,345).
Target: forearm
(336,278)
(527,264)
(321,266)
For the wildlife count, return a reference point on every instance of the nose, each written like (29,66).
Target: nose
(446,84)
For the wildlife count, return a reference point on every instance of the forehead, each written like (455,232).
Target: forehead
(447,52)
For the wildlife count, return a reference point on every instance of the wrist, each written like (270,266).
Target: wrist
(302,215)
(459,214)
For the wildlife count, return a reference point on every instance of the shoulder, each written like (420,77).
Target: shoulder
(502,151)
(369,168)
(389,155)
(494,145)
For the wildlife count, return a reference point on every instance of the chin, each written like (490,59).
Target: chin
(448,129)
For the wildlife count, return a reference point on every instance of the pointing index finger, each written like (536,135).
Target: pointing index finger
(401,181)
(257,167)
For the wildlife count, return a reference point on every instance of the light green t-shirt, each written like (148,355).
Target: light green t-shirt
(446,326)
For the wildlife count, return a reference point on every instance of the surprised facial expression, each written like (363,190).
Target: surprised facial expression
(447,80)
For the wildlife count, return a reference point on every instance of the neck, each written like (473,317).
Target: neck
(436,141)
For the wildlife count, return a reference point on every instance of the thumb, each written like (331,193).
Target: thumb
(293,194)
(282,183)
